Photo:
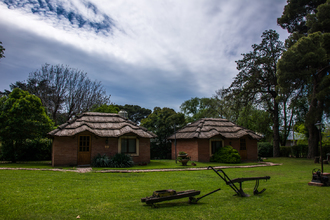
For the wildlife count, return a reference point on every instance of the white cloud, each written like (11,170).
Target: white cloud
(189,45)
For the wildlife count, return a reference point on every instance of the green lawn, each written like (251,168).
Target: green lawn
(37,194)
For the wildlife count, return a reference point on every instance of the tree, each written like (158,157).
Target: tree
(22,117)
(294,17)
(2,50)
(304,67)
(64,91)
(257,120)
(105,108)
(135,113)
(196,108)
(162,122)
(257,80)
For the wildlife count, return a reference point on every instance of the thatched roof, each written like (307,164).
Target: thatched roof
(210,127)
(102,125)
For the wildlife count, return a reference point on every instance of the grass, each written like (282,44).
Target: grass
(154,164)
(27,194)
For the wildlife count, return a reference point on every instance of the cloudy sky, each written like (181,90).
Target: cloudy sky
(145,52)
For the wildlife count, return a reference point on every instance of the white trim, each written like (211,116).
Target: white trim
(137,145)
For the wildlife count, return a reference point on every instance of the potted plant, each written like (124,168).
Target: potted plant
(183,158)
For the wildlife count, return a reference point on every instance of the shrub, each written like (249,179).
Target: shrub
(285,151)
(121,160)
(300,150)
(117,161)
(30,150)
(226,154)
(100,161)
(265,149)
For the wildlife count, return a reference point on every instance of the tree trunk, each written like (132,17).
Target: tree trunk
(276,132)
(313,140)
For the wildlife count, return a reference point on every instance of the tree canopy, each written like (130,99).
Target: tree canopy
(197,108)
(304,67)
(64,91)
(135,113)
(256,81)
(163,122)
(22,117)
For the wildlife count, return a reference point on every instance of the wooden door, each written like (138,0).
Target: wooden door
(242,149)
(84,150)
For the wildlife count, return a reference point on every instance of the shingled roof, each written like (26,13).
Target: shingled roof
(102,125)
(210,127)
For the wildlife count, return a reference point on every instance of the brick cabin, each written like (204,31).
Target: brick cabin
(202,138)
(79,140)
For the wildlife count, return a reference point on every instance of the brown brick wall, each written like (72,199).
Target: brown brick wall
(190,146)
(65,151)
(199,149)
(144,152)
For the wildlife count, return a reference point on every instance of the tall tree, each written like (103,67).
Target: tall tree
(196,108)
(163,122)
(64,91)
(22,117)
(2,50)
(256,81)
(304,67)
(135,113)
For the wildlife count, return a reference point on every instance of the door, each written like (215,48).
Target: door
(242,149)
(84,150)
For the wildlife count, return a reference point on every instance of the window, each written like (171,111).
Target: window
(242,144)
(128,146)
(84,143)
(215,146)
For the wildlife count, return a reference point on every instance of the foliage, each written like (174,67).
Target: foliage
(121,160)
(226,154)
(64,90)
(265,149)
(39,149)
(135,113)
(197,108)
(162,122)
(257,120)
(22,117)
(285,151)
(304,67)
(256,81)
(105,108)
(117,161)
(299,150)
(2,50)
(100,161)
(295,14)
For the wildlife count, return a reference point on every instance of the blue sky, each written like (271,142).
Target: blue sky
(147,53)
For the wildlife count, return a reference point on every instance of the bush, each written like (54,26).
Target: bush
(265,149)
(100,161)
(121,160)
(226,154)
(30,150)
(117,161)
(285,151)
(300,150)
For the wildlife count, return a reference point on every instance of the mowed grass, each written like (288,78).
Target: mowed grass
(27,194)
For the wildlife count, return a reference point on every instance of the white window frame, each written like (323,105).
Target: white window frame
(136,145)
